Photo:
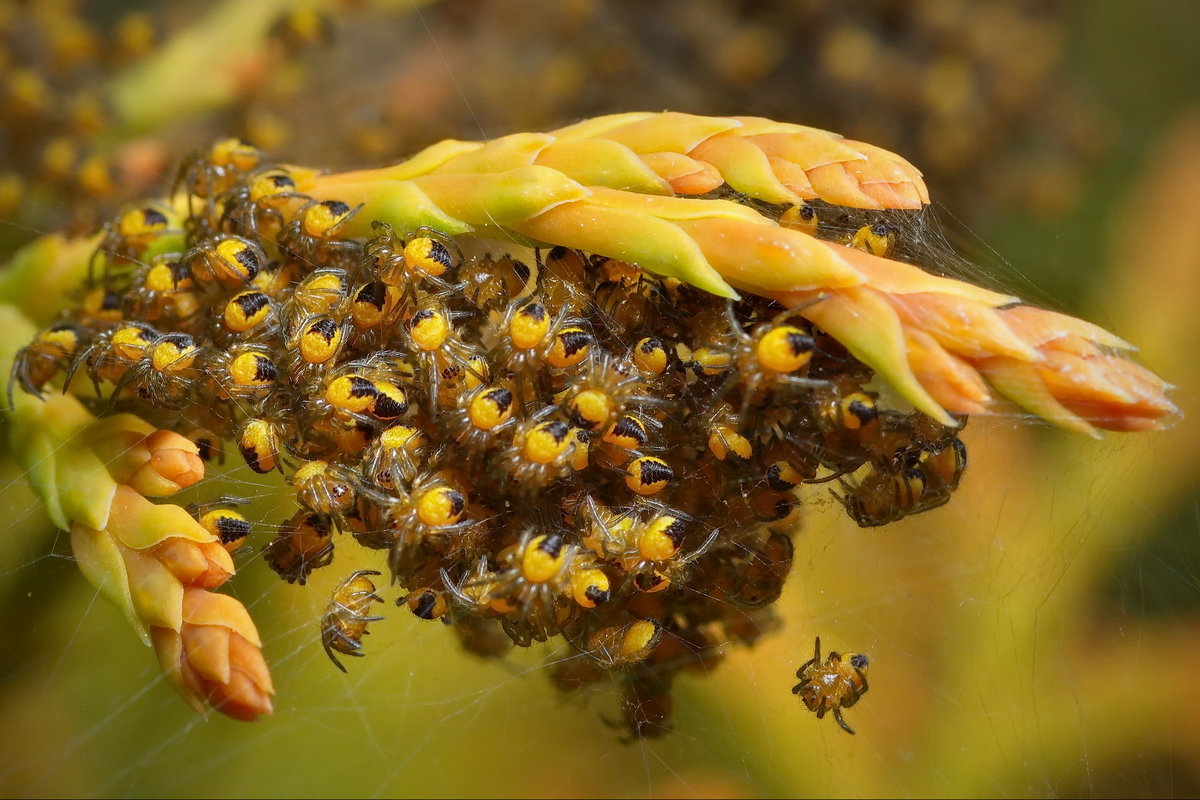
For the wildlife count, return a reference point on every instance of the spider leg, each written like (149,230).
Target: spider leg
(804,666)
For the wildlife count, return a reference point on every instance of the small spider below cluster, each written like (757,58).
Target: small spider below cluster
(544,443)
(838,683)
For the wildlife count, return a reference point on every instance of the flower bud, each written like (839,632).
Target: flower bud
(203,564)
(174,464)
(215,657)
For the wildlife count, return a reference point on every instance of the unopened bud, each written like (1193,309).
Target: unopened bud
(216,658)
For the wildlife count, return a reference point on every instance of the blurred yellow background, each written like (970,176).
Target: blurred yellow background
(1036,636)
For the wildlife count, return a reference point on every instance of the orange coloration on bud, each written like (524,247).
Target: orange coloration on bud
(203,564)
(947,346)
(216,657)
(175,458)
(684,175)
(169,462)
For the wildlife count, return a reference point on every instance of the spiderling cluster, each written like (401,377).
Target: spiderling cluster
(544,443)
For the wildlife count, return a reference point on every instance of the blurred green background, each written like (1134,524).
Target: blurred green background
(1036,636)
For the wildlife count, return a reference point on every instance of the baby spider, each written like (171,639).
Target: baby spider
(476,424)
(752,575)
(618,645)
(129,238)
(41,360)
(768,360)
(221,518)
(245,315)
(425,256)
(645,542)
(323,291)
(396,455)
(208,175)
(324,488)
(848,421)
(532,339)
(426,516)
(244,372)
(431,336)
(345,621)
(112,353)
(834,685)
(312,237)
(254,206)
(315,340)
(303,543)
(167,373)
(427,603)
(562,276)
(606,388)
(491,284)
(878,239)
(260,441)
(542,452)
(921,482)
(542,583)
(221,261)
(156,291)
(363,393)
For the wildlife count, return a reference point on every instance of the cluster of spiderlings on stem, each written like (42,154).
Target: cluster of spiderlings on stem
(545,443)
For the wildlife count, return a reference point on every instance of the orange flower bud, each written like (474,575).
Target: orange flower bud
(203,564)
(174,464)
(215,657)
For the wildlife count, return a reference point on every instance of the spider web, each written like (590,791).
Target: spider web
(961,610)
(994,626)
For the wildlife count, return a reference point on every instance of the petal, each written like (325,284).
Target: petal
(598,126)
(767,258)
(651,243)
(502,198)
(400,204)
(684,174)
(157,594)
(744,167)
(953,382)
(85,489)
(1019,382)
(422,163)
(896,277)
(964,327)
(1039,326)
(793,177)
(837,183)
(206,647)
(865,323)
(206,565)
(99,559)
(138,523)
(168,647)
(208,608)
(599,162)
(247,694)
(668,132)
(497,155)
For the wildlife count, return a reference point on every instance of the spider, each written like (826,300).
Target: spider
(834,685)
(345,621)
